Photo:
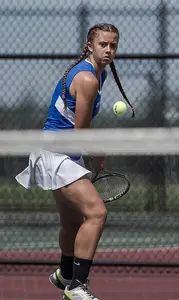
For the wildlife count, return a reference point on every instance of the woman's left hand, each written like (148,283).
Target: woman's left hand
(98,163)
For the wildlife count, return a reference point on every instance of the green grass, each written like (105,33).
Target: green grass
(141,197)
(13,195)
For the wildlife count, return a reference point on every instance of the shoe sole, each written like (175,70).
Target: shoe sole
(56,283)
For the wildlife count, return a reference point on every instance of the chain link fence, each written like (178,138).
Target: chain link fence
(38,41)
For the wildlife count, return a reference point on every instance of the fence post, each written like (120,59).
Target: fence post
(83,14)
(160,165)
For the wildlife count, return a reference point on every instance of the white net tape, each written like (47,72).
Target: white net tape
(141,141)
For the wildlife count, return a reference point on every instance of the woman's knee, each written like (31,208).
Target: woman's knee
(97,214)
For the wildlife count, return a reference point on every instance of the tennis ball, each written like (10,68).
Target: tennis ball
(119,108)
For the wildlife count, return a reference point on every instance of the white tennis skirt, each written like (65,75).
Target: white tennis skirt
(51,171)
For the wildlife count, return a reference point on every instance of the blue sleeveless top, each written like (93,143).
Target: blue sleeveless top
(58,118)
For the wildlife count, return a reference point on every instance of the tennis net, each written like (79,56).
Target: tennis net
(142,227)
(130,141)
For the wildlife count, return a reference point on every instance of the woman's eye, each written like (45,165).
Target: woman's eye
(103,45)
(113,46)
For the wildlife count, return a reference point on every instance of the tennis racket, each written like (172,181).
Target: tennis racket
(110,185)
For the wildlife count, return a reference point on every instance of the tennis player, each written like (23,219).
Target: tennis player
(75,102)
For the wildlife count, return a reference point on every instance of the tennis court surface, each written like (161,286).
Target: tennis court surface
(29,283)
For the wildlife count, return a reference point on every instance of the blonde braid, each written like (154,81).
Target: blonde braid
(80,58)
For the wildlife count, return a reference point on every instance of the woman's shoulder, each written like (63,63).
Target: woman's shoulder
(84,65)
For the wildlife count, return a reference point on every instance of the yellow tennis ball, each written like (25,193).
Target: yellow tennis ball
(119,108)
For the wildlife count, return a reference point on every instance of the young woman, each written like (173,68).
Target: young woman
(75,102)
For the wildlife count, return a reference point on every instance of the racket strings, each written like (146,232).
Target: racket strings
(111,186)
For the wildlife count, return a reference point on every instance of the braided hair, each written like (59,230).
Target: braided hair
(118,82)
(85,53)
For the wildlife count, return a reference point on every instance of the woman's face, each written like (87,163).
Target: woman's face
(103,47)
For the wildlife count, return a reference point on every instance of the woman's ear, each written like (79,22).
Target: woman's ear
(90,47)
